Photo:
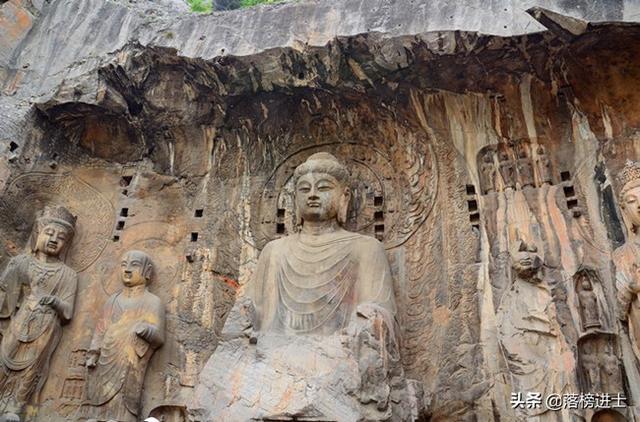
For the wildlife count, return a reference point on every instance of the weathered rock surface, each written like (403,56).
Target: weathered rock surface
(176,134)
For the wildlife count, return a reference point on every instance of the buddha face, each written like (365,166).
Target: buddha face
(52,238)
(134,269)
(525,261)
(631,206)
(319,196)
(586,284)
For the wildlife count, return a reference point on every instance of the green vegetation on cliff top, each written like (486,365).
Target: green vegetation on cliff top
(205,6)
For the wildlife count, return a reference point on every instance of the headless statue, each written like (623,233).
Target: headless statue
(49,290)
(129,331)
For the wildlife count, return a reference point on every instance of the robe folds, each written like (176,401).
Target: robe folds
(628,289)
(113,386)
(313,284)
(34,330)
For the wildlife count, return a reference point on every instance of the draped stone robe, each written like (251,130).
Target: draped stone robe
(115,384)
(34,330)
(624,259)
(313,283)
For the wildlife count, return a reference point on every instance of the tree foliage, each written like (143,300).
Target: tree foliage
(251,3)
(200,6)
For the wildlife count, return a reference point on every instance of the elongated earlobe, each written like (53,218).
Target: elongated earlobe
(343,207)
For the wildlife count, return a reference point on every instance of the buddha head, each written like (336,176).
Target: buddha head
(136,268)
(322,189)
(629,196)
(55,229)
(525,261)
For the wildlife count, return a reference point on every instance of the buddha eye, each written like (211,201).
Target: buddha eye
(304,188)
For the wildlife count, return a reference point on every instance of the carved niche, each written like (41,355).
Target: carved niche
(514,164)
(600,368)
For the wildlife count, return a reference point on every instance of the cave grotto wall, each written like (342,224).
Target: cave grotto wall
(177,134)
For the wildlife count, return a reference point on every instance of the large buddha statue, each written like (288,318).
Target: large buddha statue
(314,337)
(627,257)
(47,287)
(314,280)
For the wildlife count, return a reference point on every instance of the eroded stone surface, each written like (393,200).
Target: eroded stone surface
(185,151)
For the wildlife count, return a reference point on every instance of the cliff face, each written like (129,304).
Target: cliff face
(467,128)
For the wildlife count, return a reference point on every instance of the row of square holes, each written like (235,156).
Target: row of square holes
(378,217)
(472,205)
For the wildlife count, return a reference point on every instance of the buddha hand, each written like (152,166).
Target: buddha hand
(144,331)
(49,300)
(92,358)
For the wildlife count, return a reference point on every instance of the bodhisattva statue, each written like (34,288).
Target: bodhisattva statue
(320,315)
(529,333)
(130,329)
(48,288)
(627,257)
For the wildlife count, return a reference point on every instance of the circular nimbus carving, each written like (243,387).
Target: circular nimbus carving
(392,191)
(28,194)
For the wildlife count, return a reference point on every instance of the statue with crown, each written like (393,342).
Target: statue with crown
(627,257)
(314,336)
(37,295)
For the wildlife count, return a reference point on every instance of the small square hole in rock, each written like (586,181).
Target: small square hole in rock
(194,237)
(120,225)
(124,212)
(198,213)
(471,190)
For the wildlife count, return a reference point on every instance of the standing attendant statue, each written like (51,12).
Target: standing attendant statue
(129,331)
(48,288)
(627,257)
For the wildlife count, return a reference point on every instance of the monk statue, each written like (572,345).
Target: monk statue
(320,313)
(627,257)
(534,348)
(130,329)
(48,290)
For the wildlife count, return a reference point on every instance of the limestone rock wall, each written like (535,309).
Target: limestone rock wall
(177,134)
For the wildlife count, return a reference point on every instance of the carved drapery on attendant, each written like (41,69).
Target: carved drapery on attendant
(48,290)
(129,330)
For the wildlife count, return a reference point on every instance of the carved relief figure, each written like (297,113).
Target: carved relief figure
(627,257)
(543,165)
(129,331)
(313,281)
(591,366)
(48,288)
(589,311)
(320,313)
(488,173)
(611,374)
(507,170)
(525,167)
(528,330)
